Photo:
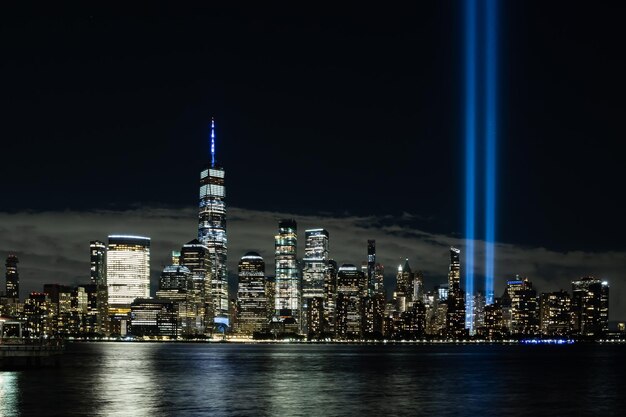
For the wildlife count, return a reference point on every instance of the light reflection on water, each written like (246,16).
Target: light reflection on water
(141,379)
(8,394)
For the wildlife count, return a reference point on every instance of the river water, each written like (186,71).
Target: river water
(172,379)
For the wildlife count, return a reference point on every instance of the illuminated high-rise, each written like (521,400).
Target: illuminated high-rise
(371,265)
(455,315)
(287,297)
(197,257)
(590,307)
(315,265)
(99,279)
(555,314)
(251,299)
(13,278)
(127,271)
(330,296)
(351,289)
(520,310)
(212,232)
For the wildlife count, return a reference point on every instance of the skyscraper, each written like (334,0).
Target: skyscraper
(520,307)
(251,299)
(371,265)
(590,307)
(555,313)
(287,283)
(127,271)
(455,315)
(404,287)
(212,231)
(197,257)
(99,279)
(351,289)
(315,265)
(13,278)
(330,296)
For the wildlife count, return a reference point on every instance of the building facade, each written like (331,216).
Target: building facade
(590,307)
(251,298)
(455,312)
(315,263)
(97,257)
(287,298)
(127,271)
(212,233)
(12,278)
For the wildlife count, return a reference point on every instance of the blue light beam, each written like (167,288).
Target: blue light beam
(490,144)
(470,158)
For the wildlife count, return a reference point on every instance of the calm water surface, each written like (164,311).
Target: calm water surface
(151,379)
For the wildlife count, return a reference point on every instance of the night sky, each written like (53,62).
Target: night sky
(320,111)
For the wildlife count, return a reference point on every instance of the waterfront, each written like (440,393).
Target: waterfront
(290,379)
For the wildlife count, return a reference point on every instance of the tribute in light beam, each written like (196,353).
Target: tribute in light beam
(470,157)
(490,145)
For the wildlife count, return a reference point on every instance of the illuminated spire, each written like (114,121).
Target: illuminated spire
(212,142)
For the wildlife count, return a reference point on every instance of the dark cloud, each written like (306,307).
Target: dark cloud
(53,246)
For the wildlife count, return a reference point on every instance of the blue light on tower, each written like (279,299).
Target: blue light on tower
(470,157)
(490,145)
(212,142)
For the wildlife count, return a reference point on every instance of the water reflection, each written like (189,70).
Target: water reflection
(140,379)
(125,380)
(9,394)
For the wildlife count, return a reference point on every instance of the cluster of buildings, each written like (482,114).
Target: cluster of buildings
(313,297)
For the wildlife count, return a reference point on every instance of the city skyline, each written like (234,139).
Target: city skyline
(546,248)
(311,296)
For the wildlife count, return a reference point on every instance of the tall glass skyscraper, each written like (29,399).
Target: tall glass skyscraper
(128,271)
(252,311)
(99,279)
(13,278)
(315,265)
(212,231)
(455,317)
(287,296)
(371,265)
(197,257)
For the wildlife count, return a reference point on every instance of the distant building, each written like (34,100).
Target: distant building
(60,307)
(520,308)
(212,232)
(330,296)
(493,328)
(128,271)
(153,317)
(351,288)
(197,257)
(287,297)
(176,285)
(403,293)
(555,314)
(455,314)
(98,277)
(315,264)
(590,307)
(39,315)
(12,278)
(478,314)
(251,298)
(270,295)
(371,266)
